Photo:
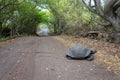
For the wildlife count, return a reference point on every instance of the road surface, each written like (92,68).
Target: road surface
(43,58)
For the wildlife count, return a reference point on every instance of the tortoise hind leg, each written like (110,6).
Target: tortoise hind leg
(68,57)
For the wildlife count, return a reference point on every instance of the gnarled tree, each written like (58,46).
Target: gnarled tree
(107,9)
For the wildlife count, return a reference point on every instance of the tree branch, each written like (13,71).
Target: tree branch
(8,4)
(99,7)
(109,5)
(116,5)
(99,22)
(89,6)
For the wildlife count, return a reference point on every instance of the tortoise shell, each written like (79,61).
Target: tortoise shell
(78,51)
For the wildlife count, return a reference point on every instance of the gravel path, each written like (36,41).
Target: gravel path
(43,58)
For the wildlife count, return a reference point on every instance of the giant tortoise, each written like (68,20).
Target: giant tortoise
(80,51)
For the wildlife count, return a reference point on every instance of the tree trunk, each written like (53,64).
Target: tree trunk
(0,27)
(110,11)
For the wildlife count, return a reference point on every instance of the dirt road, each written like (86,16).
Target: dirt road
(43,58)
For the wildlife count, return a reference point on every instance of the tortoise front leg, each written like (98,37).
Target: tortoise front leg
(90,57)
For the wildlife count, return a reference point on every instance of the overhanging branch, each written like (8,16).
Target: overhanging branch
(89,6)
(99,22)
(8,4)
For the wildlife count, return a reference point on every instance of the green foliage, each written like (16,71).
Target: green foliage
(69,13)
(45,16)
(28,18)
(21,16)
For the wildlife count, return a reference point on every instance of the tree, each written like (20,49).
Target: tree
(56,7)
(67,13)
(18,16)
(107,9)
(7,8)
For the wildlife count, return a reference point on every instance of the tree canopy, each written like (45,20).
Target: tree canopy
(22,16)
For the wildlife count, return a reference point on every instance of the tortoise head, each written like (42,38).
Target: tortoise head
(93,51)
